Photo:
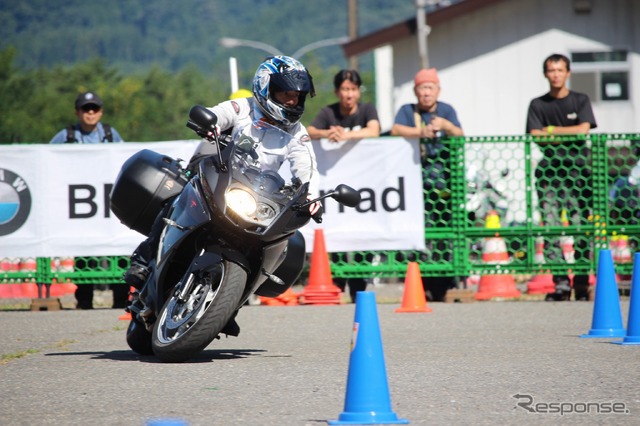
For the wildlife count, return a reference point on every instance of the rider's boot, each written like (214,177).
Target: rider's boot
(138,271)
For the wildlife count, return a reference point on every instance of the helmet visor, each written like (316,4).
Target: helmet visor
(299,81)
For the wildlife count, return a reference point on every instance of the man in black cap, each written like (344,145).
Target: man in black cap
(88,129)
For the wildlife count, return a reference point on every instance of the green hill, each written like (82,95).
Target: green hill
(133,34)
(150,61)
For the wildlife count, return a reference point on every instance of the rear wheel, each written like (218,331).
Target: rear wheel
(185,328)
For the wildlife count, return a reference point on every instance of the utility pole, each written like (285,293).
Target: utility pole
(422,31)
(353,30)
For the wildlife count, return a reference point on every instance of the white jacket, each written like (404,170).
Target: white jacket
(273,152)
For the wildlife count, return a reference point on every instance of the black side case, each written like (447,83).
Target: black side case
(145,182)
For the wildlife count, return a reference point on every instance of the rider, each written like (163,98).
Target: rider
(280,87)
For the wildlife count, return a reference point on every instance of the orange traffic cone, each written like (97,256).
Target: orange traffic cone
(29,287)
(622,250)
(320,290)
(413,298)
(288,298)
(566,241)
(127,315)
(29,265)
(270,301)
(541,283)
(494,250)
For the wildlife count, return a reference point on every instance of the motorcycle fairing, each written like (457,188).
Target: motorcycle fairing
(187,213)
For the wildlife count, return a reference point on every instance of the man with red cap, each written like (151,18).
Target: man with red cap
(430,120)
(429,116)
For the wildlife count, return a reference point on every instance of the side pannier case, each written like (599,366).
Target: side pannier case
(145,182)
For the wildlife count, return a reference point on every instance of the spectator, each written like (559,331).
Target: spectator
(280,87)
(347,119)
(563,112)
(89,129)
(430,119)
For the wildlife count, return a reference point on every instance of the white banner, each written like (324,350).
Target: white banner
(54,198)
(387,173)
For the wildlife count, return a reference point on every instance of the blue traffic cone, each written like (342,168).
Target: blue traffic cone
(166,422)
(367,398)
(607,317)
(633,323)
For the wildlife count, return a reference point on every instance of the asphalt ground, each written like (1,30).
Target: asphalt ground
(460,364)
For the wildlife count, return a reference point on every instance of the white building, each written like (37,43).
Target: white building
(489,55)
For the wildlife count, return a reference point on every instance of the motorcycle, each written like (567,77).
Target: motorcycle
(482,195)
(231,230)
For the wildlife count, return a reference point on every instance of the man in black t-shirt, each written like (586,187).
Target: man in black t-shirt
(563,178)
(347,119)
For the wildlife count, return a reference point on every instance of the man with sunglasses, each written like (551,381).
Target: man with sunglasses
(88,129)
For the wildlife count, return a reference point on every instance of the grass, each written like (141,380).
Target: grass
(6,358)
(15,306)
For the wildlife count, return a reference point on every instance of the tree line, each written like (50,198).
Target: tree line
(145,106)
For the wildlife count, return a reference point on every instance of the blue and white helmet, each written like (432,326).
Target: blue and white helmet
(281,74)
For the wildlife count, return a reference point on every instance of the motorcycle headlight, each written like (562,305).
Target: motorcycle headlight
(265,212)
(241,202)
(245,205)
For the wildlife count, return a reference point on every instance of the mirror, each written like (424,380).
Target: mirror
(346,195)
(203,117)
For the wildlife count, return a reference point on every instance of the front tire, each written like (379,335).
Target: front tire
(183,329)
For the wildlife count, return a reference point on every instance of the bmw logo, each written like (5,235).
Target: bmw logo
(15,202)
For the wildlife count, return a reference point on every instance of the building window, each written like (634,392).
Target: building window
(603,76)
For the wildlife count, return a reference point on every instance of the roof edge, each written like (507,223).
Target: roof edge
(408,27)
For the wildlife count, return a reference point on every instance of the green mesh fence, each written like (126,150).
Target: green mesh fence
(492,204)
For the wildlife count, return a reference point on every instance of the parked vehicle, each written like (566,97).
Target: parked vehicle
(482,194)
(231,231)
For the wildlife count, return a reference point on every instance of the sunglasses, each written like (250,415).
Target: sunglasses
(91,107)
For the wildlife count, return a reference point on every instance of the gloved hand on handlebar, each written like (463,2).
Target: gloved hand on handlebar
(316,210)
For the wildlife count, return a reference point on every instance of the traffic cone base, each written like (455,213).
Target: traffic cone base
(125,317)
(288,298)
(607,317)
(628,340)
(413,298)
(541,284)
(367,398)
(320,290)
(633,323)
(492,286)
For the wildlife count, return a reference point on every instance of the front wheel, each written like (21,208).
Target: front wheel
(185,328)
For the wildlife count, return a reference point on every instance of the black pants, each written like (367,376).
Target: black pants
(355,285)
(84,292)
(564,183)
(148,247)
